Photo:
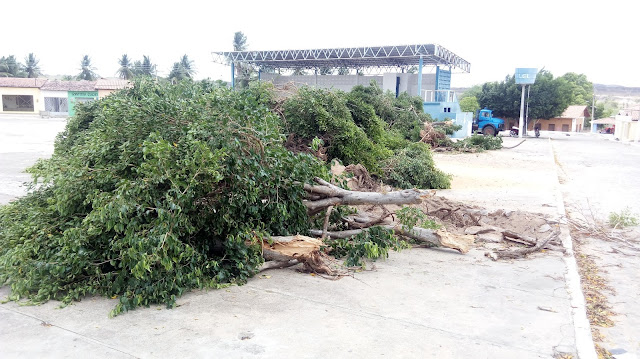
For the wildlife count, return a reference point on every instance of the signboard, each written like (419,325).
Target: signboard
(526,76)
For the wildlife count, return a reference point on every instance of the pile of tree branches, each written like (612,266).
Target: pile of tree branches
(159,189)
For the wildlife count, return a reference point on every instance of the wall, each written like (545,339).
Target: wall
(408,82)
(38,104)
(105,92)
(338,82)
(574,126)
(627,129)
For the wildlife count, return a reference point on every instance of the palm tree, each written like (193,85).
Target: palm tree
(187,66)
(182,70)
(125,72)
(31,66)
(86,70)
(147,67)
(175,75)
(239,41)
(10,67)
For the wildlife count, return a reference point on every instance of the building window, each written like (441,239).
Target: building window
(565,128)
(17,103)
(552,127)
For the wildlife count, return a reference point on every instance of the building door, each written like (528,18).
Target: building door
(552,127)
(565,128)
(56,104)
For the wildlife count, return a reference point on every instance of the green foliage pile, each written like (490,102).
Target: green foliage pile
(368,127)
(413,166)
(151,192)
(479,143)
(325,114)
(372,244)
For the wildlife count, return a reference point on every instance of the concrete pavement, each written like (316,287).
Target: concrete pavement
(417,303)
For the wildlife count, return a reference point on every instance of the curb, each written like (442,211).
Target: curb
(585,346)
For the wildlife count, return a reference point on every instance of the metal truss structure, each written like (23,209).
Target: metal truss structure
(353,57)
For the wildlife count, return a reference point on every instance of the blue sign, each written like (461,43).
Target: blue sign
(526,76)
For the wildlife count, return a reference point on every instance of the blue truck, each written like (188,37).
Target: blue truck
(487,124)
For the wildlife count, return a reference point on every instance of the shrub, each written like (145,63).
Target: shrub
(413,167)
(622,219)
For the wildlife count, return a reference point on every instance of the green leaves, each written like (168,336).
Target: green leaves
(154,191)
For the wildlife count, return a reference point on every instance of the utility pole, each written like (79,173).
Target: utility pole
(521,123)
(593,112)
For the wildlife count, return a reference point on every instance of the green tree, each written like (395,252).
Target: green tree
(326,70)
(87,71)
(31,67)
(548,97)
(182,69)
(147,68)
(144,67)
(581,88)
(343,71)
(125,71)
(298,72)
(10,67)
(469,104)
(605,108)
(239,41)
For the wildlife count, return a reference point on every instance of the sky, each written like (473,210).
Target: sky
(494,36)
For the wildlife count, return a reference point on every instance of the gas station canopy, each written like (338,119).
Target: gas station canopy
(352,57)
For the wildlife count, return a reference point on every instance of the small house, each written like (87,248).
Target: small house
(21,95)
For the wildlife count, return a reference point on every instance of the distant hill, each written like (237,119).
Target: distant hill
(616,91)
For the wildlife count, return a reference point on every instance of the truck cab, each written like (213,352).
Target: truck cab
(487,124)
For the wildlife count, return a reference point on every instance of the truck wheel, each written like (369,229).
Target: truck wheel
(489,131)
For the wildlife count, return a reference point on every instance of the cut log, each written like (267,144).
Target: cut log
(290,250)
(278,265)
(290,247)
(334,195)
(439,238)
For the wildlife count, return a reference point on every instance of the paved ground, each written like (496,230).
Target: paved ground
(418,303)
(603,176)
(23,139)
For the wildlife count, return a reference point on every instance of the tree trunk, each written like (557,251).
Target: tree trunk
(438,238)
(325,194)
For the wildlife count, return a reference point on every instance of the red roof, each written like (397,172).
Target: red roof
(21,82)
(57,85)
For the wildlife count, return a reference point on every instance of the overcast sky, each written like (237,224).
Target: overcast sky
(494,36)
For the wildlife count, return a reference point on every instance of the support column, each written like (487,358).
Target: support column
(316,77)
(521,123)
(259,75)
(420,78)
(233,75)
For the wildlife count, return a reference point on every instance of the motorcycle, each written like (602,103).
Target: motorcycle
(514,132)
